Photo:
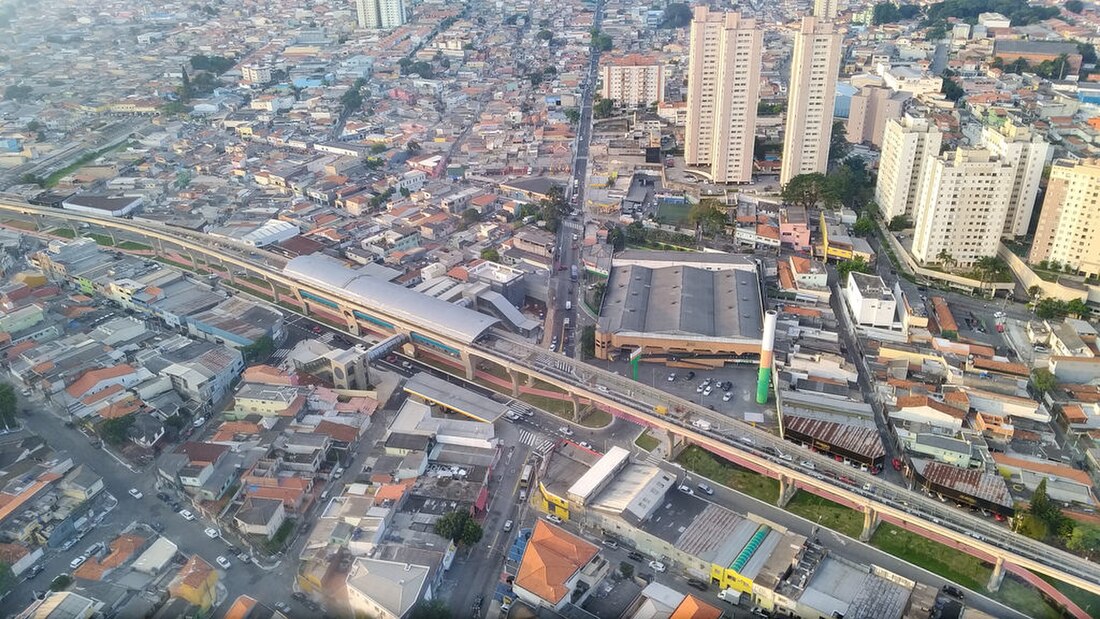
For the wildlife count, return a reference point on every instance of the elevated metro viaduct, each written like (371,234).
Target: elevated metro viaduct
(642,404)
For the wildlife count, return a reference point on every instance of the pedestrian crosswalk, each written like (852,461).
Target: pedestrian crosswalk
(279,355)
(326,337)
(572,225)
(541,444)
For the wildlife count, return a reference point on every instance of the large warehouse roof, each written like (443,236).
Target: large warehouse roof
(435,315)
(680,301)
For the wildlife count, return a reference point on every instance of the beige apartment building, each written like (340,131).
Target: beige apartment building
(814,67)
(1027,152)
(723,91)
(633,80)
(871,107)
(380,14)
(1069,224)
(908,145)
(826,9)
(962,207)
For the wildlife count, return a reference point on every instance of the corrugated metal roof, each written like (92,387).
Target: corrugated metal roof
(855,439)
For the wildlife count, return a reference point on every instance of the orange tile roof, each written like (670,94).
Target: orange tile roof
(337,431)
(1074,413)
(694,608)
(122,548)
(96,397)
(1047,468)
(552,557)
(195,572)
(90,378)
(241,607)
(393,492)
(914,401)
(126,406)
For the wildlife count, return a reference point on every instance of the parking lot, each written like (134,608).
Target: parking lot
(741,380)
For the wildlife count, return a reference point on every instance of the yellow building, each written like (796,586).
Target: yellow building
(551,503)
(196,582)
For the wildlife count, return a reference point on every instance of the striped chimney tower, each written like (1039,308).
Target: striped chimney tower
(764,379)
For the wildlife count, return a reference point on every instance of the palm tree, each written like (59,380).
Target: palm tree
(946,258)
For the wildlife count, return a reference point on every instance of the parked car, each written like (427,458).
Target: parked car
(657,566)
(553,518)
(77,562)
(134,492)
(698,584)
(211,532)
(610,543)
(35,571)
(164,497)
(686,489)
(953,591)
(635,556)
(507,525)
(187,515)
(566,430)
(222,561)
(672,377)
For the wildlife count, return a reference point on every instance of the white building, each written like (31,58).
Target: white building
(908,145)
(380,14)
(962,207)
(255,74)
(386,589)
(103,206)
(915,81)
(814,66)
(871,302)
(634,80)
(1027,152)
(723,89)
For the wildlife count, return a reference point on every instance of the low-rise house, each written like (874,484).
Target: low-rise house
(261,517)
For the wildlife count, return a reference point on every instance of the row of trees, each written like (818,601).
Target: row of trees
(849,185)
(890,13)
(1048,69)
(600,41)
(1048,309)
(9,405)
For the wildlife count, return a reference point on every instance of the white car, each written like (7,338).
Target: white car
(707,390)
(686,489)
(657,566)
(134,492)
(77,562)
(222,561)
(728,396)
(672,377)
(553,518)
(211,532)
(700,388)
(586,445)
(807,464)
(198,422)
(187,515)
(565,430)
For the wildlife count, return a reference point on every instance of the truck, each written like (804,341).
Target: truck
(729,596)
(565,324)
(573,272)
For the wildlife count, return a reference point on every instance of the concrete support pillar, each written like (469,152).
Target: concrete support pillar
(297,295)
(998,575)
(349,320)
(530,380)
(787,490)
(870,523)
(514,375)
(469,363)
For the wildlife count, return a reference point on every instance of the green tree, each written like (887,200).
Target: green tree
(259,350)
(212,64)
(114,431)
(804,190)
(9,405)
(839,147)
(707,216)
(626,568)
(677,15)
(490,254)
(1043,380)
(898,223)
(885,13)
(544,35)
(573,114)
(602,108)
(1078,308)
(30,179)
(857,264)
(616,238)
(1035,292)
(950,88)
(990,267)
(765,108)
(61,583)
(864,226)
(470,217)
(17,92)
(1074,6)
(1085,539)
(945,258)
(434,609)
(588,341)
(460,527)
(1049,308)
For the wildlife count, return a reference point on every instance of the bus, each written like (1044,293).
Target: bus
(525,479)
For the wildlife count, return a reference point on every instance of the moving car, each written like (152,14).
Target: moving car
(77,562)
(187,515)
(134,492)
(610,543)
(211,532)
(507,525)
(636,556)
(553,518)
(698,584)
(686,489)
(565,430)
(222,561)
(657,566)
(705,488)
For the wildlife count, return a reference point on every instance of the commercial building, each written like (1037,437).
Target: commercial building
(908,145)
(1027,152)
(723,87)
(826,9)
(916,82)
(810,100)
(1035,52)
(633,80)
(869,111)
(255,74)
(1069,220)
(962,207)
(103,206)
(675,311)
(558,568)
(871,302)
(380,14)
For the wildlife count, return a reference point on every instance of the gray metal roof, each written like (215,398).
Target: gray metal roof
(683,301)
(434,315)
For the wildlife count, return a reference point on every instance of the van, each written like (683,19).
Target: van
(729,596)
(568,305)
(522,495)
